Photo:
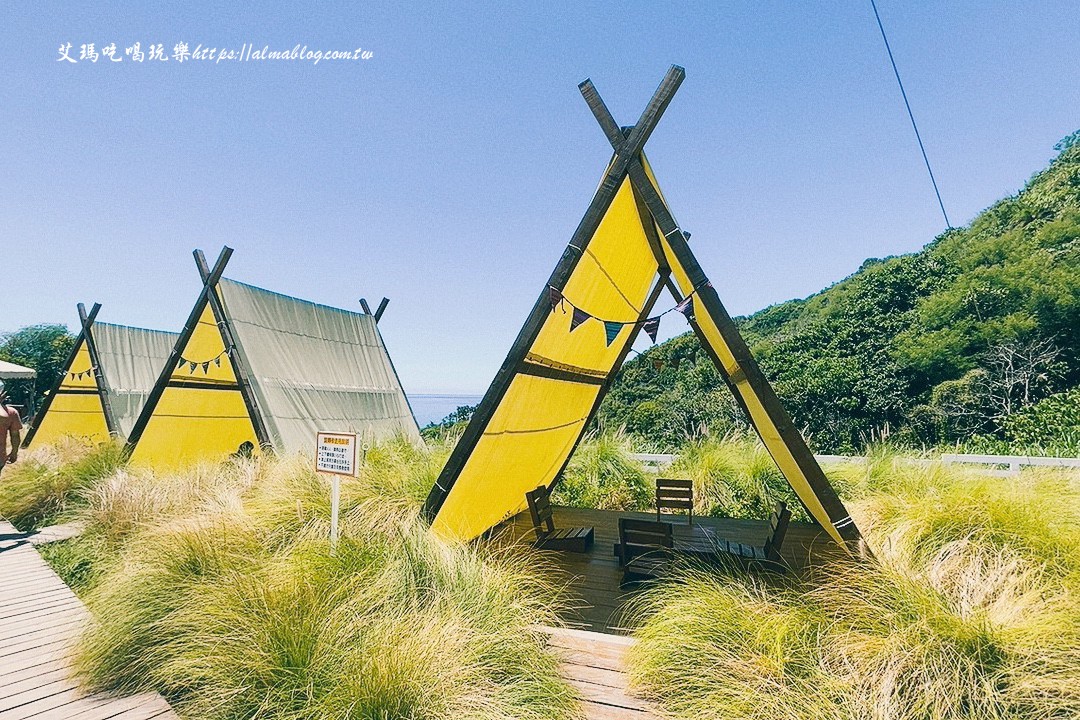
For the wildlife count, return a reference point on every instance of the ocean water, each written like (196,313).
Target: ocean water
(433,408)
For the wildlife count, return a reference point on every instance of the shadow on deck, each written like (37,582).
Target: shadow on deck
(593,578)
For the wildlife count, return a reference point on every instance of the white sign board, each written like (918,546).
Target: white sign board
(335,453)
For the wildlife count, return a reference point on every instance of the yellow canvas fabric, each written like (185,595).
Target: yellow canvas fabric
(201,415)
(770,436)
(528,439)
(76,408)
(539,419)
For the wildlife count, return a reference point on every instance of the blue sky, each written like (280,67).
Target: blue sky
(449,170)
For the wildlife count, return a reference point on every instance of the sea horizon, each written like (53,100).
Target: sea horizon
(432,407)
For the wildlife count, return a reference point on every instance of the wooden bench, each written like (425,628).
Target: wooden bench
(767,556)
(645,548)
(575,539)
(675,494)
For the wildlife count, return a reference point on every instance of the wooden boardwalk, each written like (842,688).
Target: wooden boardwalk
(39,618)
(594,665)
(592,579)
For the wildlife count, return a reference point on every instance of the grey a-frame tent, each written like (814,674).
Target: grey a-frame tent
(254,368)
(105,381)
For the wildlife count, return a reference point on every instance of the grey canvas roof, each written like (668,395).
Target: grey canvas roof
(315,368)
(131,360)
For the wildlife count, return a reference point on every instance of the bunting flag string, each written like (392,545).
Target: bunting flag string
(204,364)
(89,372)
(612,328)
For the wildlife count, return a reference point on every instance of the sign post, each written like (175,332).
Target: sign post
(335,455)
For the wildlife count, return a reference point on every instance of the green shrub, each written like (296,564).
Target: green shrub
(969,611)
(720,646)
(45,483)
(602,475)
(735,477)
(225,597)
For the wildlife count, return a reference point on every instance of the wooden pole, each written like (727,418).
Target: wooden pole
(40,415)
(710,301)
(236,354)
(178,349)
(605,194)
(100,379)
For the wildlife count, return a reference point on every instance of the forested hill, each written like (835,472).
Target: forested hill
(960,340)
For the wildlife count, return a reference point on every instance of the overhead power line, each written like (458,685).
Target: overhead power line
(911,115)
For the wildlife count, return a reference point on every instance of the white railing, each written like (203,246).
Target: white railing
(999,465)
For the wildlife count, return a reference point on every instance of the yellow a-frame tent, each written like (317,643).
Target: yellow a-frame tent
(105,381)
(254,369)
(625,252)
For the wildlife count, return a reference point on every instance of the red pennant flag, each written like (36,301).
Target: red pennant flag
(652,327)
(578,317)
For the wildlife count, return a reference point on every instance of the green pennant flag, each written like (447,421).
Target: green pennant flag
(612,330)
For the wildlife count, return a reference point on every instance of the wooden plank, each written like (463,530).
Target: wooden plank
(593,599)
(40,618)
(11,682)
(594,665)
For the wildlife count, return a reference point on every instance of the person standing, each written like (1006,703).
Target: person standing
(10,426)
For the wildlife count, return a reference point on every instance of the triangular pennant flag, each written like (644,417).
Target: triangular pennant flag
(686,307)
(217,361)
(651,327)
(191,367)
(206,368)
(555,298)
(612,330)
(658,364)
(181,364)
(675,363)
(578,317)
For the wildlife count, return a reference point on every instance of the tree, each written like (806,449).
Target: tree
(1018,374)
(41,347)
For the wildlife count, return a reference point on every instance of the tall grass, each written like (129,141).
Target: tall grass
(721,646)
(45,483)
(602,475)
(231,619)
(216,586)
(734,476)
(969,611)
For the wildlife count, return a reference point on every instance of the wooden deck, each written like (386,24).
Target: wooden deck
(594,665)
(39,618)
(593,578)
